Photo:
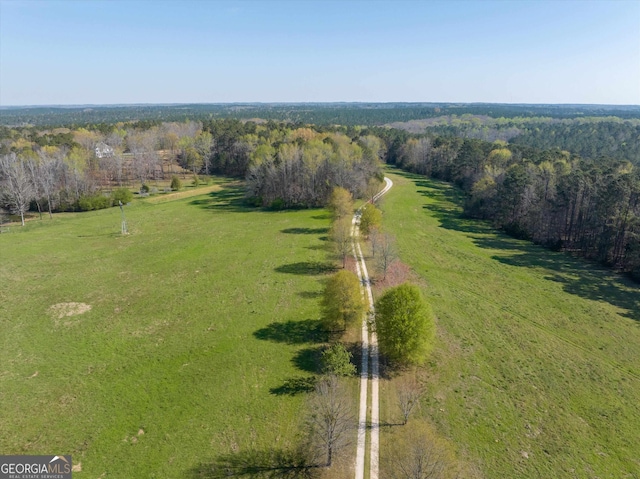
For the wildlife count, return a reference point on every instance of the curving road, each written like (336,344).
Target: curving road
(369,359)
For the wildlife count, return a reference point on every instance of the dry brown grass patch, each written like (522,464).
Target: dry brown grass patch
(64,310)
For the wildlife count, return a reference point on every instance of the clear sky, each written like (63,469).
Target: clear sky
(105,52)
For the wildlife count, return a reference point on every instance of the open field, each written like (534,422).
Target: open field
(536,371)
(201,324)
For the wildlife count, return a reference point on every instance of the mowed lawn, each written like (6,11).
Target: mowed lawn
(536,370)
(198,322)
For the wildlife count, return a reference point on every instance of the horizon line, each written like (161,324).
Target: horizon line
(338,102)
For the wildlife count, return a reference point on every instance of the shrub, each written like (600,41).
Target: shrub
(336,360)
(144,188)
(94,202)
(176,184)
(196,180)
(277,204)
(122,194)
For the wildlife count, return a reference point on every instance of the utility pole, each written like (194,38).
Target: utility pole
(124,220)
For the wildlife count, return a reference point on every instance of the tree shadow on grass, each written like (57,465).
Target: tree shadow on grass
(577,275)
(294,386)
(293,332)
(311,268)
(264,464)
(446,206)
(308,359)
(230,198)
(305,231)
(319,247)
(310,294)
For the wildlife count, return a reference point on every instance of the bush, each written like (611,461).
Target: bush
(277,204)
(405,325)
(144,188)
(176,184)
(122,194)
(336,360)
(95,202)
(196,180)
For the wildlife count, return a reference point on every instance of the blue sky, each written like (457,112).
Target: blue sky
(509,51)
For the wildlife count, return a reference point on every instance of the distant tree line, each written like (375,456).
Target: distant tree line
(349,114)
(590,137)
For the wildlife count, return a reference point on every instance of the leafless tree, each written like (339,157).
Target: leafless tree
(409,394)
(142,145)
(114,140)
(204,146)
(421,459)
(374,238)
(331,421)
(386,254)
(17,188)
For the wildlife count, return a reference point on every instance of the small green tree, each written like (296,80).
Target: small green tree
(340,235)
(371,218)
(405,325)
(341,203)
(336,360)
(342,302)
(122,194)
(176,184)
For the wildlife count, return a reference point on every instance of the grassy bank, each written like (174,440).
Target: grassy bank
(536,372)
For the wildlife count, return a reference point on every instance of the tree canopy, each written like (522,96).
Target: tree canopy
(405,325)
(342,302)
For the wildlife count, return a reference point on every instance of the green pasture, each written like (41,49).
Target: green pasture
(197,346)
(536,370)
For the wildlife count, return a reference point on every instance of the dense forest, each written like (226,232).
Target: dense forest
(590,137)
(349,114)
(560,200)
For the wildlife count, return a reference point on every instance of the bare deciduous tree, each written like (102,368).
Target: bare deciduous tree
(331,420)
(409,394)
(142,145)
(386,253)
(420,454)
(17,188)
(374,238)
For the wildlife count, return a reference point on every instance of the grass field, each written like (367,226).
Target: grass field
(536,371)
(200,329)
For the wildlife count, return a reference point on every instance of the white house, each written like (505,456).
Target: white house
(103,150)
